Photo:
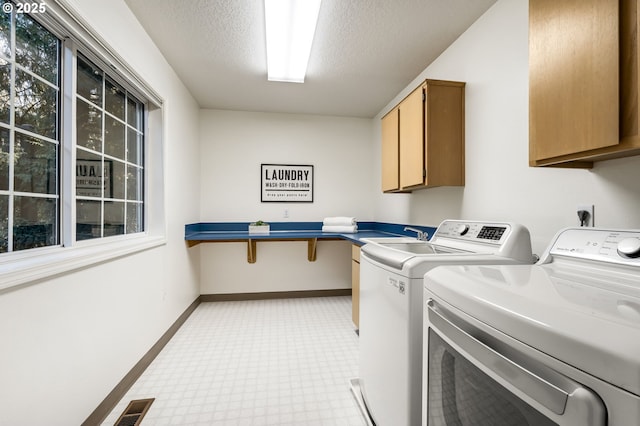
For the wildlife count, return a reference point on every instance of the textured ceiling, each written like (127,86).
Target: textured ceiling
(364,53)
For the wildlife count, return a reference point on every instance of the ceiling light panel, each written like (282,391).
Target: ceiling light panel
(290,27)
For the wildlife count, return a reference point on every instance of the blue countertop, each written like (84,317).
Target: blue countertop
(238,231)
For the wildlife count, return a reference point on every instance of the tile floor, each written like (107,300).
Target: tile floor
(269,362)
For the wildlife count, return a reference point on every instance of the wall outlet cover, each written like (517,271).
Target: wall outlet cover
(589,209)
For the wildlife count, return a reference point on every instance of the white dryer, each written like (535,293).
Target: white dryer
(389,386)
(556,343)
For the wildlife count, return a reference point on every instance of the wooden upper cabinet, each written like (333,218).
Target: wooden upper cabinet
(426,146)
(390,152)
(583,77)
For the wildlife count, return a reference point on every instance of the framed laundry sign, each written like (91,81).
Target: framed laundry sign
(290,183)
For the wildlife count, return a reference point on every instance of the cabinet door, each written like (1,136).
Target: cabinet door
(573,77)
(412,139)
(390,152)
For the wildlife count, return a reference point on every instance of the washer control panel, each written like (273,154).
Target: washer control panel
(493,233)
(616,246)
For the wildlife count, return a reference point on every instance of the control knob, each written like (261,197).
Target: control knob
(462,229)
(629,247)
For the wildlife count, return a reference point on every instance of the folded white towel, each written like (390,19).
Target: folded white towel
(339,221)
(340,229)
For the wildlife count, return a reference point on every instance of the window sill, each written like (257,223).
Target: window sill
(22,268)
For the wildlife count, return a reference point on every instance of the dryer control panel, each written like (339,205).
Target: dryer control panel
(494,233)
(614,246)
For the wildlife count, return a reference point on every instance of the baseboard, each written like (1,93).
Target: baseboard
(109,403)
(230,297)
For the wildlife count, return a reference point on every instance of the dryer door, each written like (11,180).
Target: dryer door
(469,382)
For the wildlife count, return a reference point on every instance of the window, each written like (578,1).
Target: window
(81,137)
(109,154)
(109,144)
(29,135)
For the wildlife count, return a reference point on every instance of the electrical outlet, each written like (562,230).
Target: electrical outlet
(590,218)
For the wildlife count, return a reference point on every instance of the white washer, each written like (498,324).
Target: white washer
(556,343)
(391,287)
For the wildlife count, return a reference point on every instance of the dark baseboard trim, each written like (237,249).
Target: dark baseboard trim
(231,297)
(109,403)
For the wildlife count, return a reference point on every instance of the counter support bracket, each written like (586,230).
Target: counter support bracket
(312,244)
(251,251)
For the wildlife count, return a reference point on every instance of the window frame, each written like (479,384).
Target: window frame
(26,266)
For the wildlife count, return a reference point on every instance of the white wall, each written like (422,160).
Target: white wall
(233,145)
(492,58)
(67,341)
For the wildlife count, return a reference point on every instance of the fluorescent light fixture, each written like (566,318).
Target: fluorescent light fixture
(290,26)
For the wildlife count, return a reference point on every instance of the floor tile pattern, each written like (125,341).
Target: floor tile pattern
(268,362)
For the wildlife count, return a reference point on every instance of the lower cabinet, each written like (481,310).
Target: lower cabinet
(355,285)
